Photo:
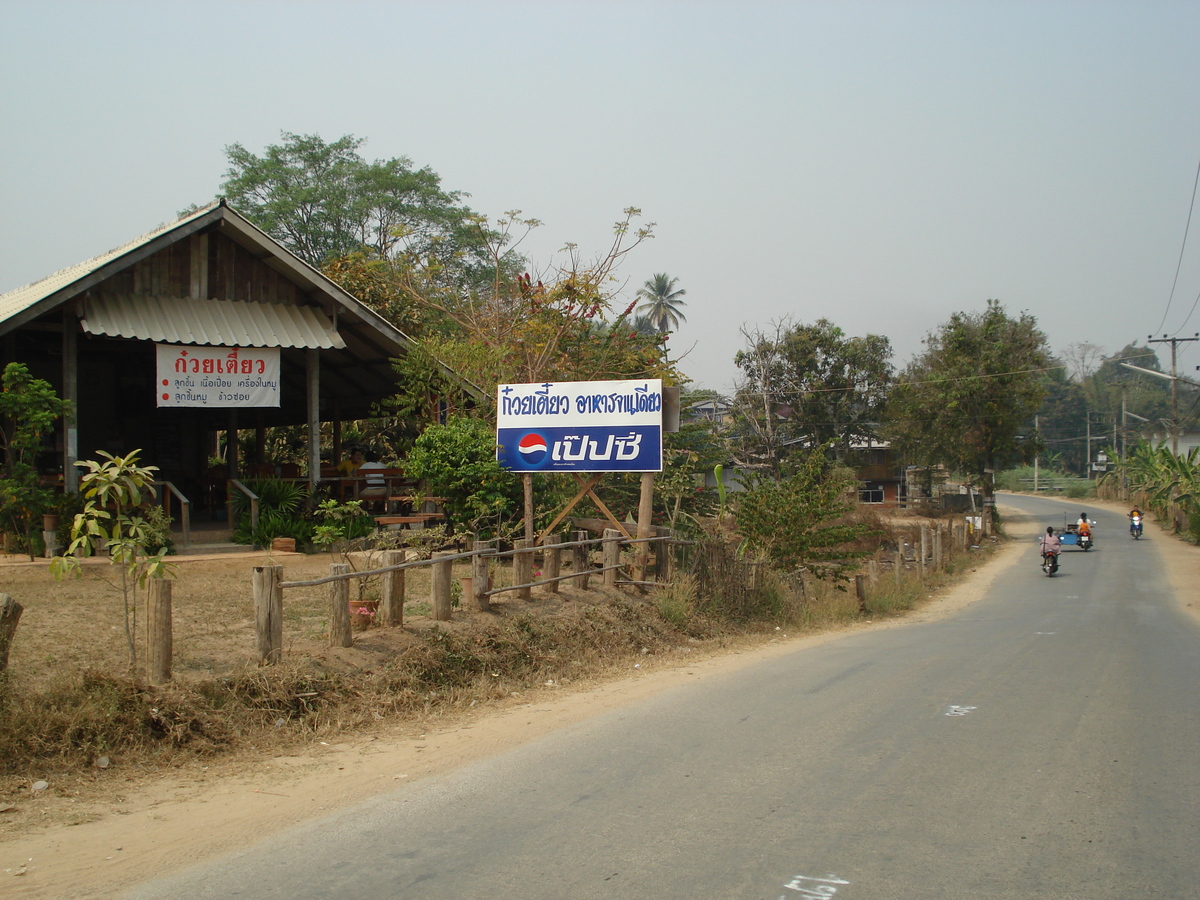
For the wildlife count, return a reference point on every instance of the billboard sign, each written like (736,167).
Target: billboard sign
(217,377)
(580,426)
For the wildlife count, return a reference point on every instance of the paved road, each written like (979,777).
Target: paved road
(1041,743)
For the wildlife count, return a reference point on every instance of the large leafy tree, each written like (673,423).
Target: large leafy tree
(968,401)
(807,385)
(325,200)
(661,302)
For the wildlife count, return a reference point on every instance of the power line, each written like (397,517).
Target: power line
(1191,206)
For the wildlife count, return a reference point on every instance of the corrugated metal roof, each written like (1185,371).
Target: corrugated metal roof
(21,298)
(223,323)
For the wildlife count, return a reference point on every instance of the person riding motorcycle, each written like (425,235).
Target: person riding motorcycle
(1135,521)
(1051,546)
(1083,528)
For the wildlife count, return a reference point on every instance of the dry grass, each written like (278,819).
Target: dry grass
(68,699)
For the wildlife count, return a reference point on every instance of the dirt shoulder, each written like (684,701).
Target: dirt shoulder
(162,824)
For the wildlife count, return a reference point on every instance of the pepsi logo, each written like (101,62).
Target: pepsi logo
(533,449)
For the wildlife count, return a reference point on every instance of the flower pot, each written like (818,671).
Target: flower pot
(49,522)
(363,613)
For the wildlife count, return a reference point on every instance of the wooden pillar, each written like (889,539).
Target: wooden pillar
(924,547)
(937,549)
(527,485)
(611,556)
(860,591)
(582,565)
(339,607)
(337,433)
(481,576)
(872,570)
(312,361)
(391,590)
(645,525)
(268,613)
(231,446)
(552,566)
(523,567)
(158,630)
(899,563)
(10,617)
(439,587)
(70,348)
(260,440)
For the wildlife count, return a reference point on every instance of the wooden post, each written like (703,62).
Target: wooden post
(523,568)
(582,564)
(552,567)
(158,630)
(481,576)
(268,613)
(664,571)
(924,547)
(339,607)
(611,545)
(872,570)
(312,384)
(439,587)
(860,591)
(937,549)
(899,563)
(10,616)
(527,478)
(645,525)
(391,589)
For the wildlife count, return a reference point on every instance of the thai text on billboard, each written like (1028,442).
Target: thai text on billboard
(217,377)
(580,426)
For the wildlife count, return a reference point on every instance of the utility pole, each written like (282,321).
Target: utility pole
(1174,342)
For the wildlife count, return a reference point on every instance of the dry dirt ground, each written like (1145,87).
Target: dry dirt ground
(138,827)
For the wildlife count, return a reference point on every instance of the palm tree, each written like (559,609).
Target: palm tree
(661,303)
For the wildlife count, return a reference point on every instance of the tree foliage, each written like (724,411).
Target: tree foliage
(661,302)
(968,401)
(805,385)
(29,409)
(795,520)
(458,463)
(324,201)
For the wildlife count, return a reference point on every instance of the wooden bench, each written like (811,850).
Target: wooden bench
(418,519)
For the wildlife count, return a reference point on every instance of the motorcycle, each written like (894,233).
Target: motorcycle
(1085,541)
(1050,563)
(1135,527)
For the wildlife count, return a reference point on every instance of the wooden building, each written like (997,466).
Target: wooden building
(210,278)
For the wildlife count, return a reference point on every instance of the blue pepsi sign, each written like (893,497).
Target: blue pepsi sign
(580,426)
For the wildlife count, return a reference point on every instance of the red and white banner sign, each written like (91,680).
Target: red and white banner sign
(217,377)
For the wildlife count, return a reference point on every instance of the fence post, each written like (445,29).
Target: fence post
(268,613)
(860,591)
(481,576)
(523,568)
(339,607)
(611,546)
(158,630)
(391,589)
(582,564)
(10,617)
(872,570)
(937,549)
(665,554)
(924,546)
(899,562)
(552,567)
(439,587)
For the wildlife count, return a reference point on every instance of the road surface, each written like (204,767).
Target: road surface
(1040,743)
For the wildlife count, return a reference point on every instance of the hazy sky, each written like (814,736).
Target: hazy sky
(879,164)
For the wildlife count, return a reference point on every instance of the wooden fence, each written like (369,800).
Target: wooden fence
(269,584)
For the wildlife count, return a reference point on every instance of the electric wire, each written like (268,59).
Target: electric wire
(1187,226)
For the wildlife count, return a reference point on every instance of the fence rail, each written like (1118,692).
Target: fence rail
(269,584)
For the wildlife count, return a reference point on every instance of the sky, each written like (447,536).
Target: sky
(879,164)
